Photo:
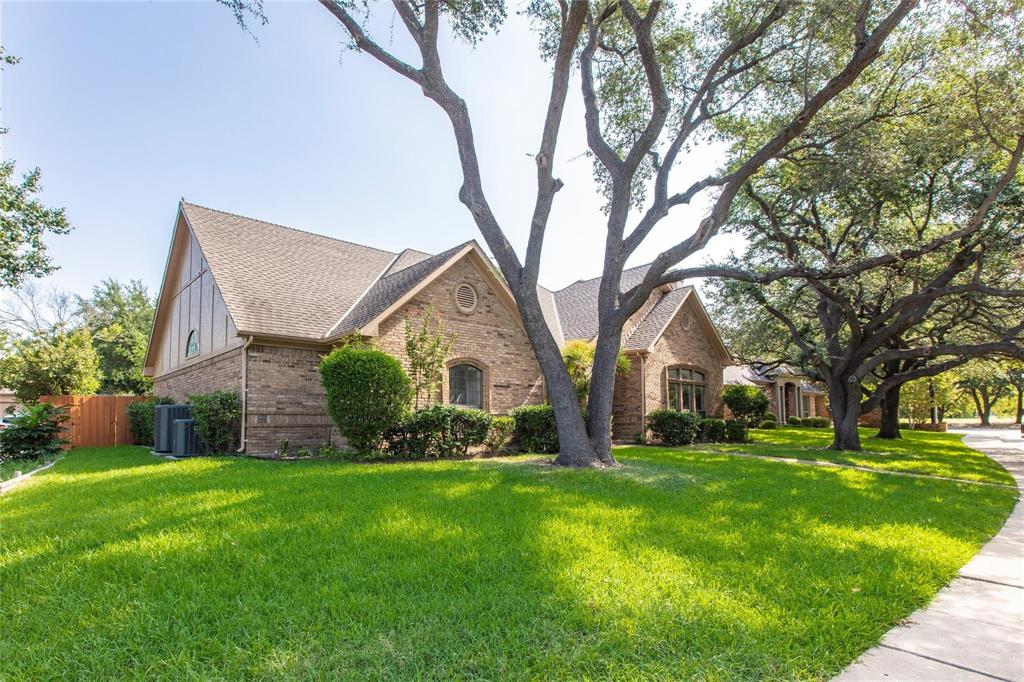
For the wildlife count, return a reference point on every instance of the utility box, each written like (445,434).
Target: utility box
(186,440)
(163,425)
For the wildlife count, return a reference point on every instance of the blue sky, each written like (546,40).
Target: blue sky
(127,106)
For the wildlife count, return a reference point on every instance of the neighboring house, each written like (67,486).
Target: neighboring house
(252,307)
(790,394)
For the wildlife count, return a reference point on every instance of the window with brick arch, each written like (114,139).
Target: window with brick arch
(465,386)
(686,389)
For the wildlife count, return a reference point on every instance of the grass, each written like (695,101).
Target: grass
(681,564)
(921,452)
(8,467)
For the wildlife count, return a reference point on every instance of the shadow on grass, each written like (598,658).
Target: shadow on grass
(679,564)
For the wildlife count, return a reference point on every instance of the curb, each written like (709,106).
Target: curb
(13,483)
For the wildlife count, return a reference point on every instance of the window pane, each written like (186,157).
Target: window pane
(698,399)
(686,374)
(192,344)
(464,386)
(687,397)
(673,374)
(673,397)
(698,376)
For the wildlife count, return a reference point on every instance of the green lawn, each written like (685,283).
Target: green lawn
(935,454)
(7,468)
(681,564)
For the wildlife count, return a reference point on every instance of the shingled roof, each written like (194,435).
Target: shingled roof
(651,327)
(577,303)
(280,281)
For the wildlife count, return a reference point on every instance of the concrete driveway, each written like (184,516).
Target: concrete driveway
(974,629)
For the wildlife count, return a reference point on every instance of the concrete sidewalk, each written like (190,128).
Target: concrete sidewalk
(974,629)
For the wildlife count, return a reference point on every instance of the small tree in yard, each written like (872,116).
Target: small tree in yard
(747,403)
(62,364)
(368,394)
(427,347)
(656,82)
(579,363)
(986,382)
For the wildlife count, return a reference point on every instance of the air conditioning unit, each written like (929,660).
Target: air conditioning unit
(186,440)
(163,434)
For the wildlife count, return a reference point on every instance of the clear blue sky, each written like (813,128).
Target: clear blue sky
(127,106)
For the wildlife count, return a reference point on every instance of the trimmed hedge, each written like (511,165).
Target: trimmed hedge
(500,434)
(769,424)
(794,421)
(142,418)
(712,430)
(674,428)
(368,394)
(817,422)
(736,431)
(535,429)
(218,420)
(770,417)
(439,431)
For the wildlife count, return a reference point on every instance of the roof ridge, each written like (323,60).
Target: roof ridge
(599,277)
(293,229)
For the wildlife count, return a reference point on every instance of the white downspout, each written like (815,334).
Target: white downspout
(245,391)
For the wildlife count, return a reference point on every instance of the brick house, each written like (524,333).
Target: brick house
(790,394)
(252,307)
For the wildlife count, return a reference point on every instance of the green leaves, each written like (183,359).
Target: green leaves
(24,223)
(64,364)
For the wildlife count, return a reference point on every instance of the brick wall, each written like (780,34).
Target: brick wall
(677,346)
(490,338)
(285,400)
(221,372)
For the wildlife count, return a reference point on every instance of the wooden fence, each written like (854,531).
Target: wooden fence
(96,420)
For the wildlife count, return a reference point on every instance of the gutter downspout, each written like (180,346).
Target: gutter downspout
(245,391)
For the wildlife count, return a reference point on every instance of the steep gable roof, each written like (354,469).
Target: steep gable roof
(653,325)
(577,303)
(279,281)
(389,289)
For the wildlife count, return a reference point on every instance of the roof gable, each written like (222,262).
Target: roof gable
(653,326)
(279,281)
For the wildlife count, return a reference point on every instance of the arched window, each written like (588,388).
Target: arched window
(686,390)
(465,386)
(192,345)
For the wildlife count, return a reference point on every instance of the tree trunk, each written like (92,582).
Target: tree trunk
(844,400)
(1020,406)
(602,393)
(934,411)
(986,409)
(890,424)
(574,447)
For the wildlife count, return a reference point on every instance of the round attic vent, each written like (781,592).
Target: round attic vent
(465,298)
(685,320)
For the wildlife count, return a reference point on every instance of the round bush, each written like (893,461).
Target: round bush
(769,424)
(535,429)
(712,430)
(746,402)
(816,422)
(794,421)
(439,431)
(770,417)
(674,428)
(218,420)
(368,394)
(736,431)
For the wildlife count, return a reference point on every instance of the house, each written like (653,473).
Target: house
(252,307)
(790,394)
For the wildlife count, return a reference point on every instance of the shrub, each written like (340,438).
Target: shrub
(535,429)
(368,394)
(770,417)
(36,433)
(500,434)
(817,422)
(736,431)
(769,424)
(142,418)
(794,421)
(746,402)
(712,430)
(218,420)
(439,431)
(674,428)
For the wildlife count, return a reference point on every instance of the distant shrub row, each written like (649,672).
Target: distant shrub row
(684,428)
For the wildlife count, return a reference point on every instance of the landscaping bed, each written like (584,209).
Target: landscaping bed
(680,564)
